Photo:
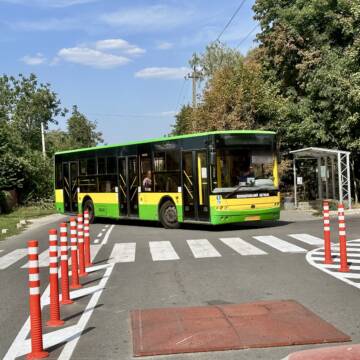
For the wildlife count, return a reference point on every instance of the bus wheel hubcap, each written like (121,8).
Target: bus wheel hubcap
(170,214)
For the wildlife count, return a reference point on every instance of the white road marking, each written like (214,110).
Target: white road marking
(348,275)
(242,247)
(69,348)
(201,248)
(279,244)
(348,247)
(1,250)
(96,241)
(122,253)
(107,226)
(337,266)
(106,237)
(308,239)
(43,260)
(337,260)
(100,234)
(20,339)
(11,258)
(337,253)
(162,250)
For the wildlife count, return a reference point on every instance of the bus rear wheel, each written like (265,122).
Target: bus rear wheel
(89,206)
(168,215)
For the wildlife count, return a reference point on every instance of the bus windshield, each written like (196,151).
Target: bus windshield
(243,170)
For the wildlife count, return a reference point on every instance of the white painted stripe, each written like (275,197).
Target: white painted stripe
(354,255)
(73,232)
(348,247)
(308,239)
(73,247)
(44,259)
(242,247)
(53,248)
(348,275)
(34,291)
(279,244)
(100,234)
(342,233)
(107,226)
(1,250)
(201,248)
(53,270)
(63,257)
(326,228)
(96,241)
(33,250)
(326,221)
(337,266)
(53,259)
(123,252)
(106,237)
(63,248)
(11,258)
(34,277)
(336,260)
(341,217)
(69,348)
(162,250)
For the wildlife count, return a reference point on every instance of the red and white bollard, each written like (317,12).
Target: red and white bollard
(327,240)
(75,284)
(80,236)
(37,350)
(53,280)
(65,294)
(87,239)
(344,267)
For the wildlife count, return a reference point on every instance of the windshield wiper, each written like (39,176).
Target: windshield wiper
(234,191)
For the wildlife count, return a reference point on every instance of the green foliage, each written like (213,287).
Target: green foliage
(81,131)
(11,172)
(183,121)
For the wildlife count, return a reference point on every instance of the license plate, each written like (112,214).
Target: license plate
(252,218)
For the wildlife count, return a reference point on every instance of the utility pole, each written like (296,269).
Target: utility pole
(43,139)
(194,76)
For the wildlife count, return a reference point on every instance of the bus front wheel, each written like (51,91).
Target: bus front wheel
(168,215)
(89,206)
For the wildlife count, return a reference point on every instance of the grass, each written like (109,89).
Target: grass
(9,221)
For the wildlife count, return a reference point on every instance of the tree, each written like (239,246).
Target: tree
(311,51)
(183,121)
(81,131)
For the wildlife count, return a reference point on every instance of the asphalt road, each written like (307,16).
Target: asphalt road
(132,278)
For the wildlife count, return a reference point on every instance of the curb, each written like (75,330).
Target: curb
(344,352)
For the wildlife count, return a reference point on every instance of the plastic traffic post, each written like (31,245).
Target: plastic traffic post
(65,294)
(80,236)
(327,240)
(344,267)
(87,239)
(53,280)
(37,350)
(75,284)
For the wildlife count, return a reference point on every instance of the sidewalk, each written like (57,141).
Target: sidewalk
(308,215)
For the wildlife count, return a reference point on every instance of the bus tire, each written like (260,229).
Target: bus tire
(168,215)
(89,206)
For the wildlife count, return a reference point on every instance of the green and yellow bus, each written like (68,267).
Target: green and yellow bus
(215,177)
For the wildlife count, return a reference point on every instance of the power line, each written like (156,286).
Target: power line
(231,19)
(247,36)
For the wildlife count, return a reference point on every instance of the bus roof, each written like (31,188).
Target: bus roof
(177,137)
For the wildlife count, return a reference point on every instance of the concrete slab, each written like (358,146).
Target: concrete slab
(228,327)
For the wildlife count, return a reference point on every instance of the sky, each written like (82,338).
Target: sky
(122,62)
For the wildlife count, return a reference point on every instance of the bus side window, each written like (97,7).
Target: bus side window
(147,179)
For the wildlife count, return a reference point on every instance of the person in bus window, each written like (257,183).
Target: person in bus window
(147,182)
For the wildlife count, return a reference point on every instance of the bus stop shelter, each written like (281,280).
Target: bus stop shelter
(338,162)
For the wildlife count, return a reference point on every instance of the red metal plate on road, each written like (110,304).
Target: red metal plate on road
(228,327)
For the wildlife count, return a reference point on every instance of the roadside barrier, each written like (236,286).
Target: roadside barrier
(37,350)
(65,294)
(87,239)
(75,284)
(327,240)
(80,236)
(344,267)
(53,280)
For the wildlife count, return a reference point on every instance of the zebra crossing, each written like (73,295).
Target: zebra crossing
(316,258)
(203,248)
(164,250)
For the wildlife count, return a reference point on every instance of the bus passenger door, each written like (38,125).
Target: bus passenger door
(70,178)
(122,187)
(195,185)
(128,186)
(133,185)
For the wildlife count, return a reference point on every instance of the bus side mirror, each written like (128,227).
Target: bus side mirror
(212,158)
